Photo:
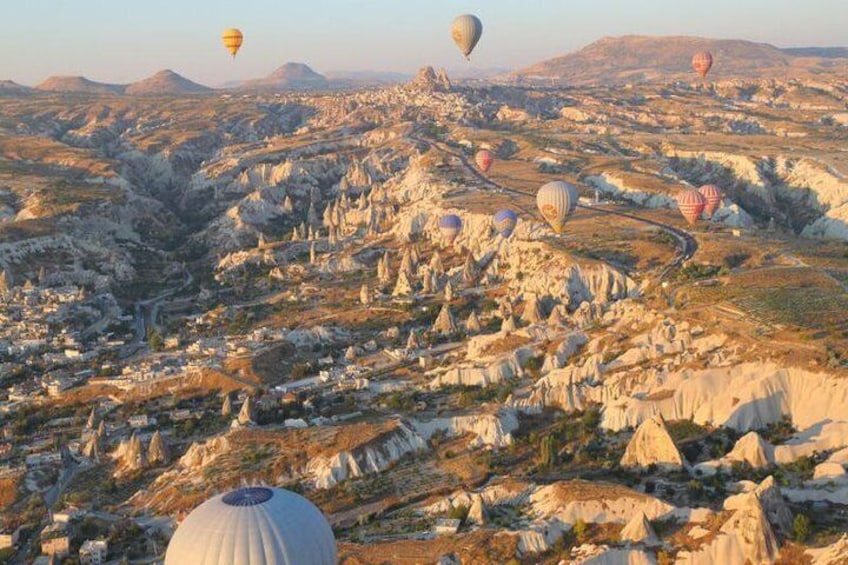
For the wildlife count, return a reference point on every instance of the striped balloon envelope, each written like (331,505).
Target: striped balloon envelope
(505,222)
(484,159)
(702,63)
(232,39)
(466,31)
(691,204)
(712,194)
(450,226)
(556,201)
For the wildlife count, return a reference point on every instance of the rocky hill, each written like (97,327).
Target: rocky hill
(80,85)
(11,87)
(290,76)
(634,58)
(166,82)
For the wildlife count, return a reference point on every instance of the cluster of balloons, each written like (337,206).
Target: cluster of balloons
(555,200)
(693,203)
(450,225)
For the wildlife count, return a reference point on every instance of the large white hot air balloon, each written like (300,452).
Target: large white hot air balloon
(466,31)
(556,201)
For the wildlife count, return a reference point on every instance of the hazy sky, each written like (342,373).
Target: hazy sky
(125,40)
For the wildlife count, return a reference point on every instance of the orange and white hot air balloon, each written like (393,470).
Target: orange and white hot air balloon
(232,39)
(712,194)
(484,159)
(702,63)
(556,201)
(691,204)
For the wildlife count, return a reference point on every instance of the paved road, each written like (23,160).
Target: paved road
(686,242)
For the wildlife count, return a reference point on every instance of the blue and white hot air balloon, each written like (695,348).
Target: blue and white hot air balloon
(505,222)
(450,226)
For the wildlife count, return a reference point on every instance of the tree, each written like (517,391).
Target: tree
(154,339)
(801,528)
(548,452)
(580,530)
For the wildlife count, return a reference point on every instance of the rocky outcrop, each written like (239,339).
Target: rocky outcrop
(490,430)
(130,455)
(652,445)
(746,536)
(326,471)
(158,452)
(744,397)
(833,554)
(639,530)
(504,368)
(247,415)
(428,80)
(753,450)
(199,455)
(444,324)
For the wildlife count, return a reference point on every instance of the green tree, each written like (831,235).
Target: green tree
(801,528)
(580,529)
(155,340)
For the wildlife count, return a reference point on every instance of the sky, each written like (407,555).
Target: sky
(122,41)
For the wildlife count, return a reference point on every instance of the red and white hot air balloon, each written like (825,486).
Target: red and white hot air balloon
(691,204)
(484,159)
(702,63)
(712,194)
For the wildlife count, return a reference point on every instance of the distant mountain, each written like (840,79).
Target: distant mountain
(291,76)
(79,84)
(10,87)
(619,60)
(166,82)
(823,52)
(367,78)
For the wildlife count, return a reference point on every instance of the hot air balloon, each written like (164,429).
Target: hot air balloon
(712,194)
(556,201)
(505,222)
(466,31)
(484,159)
(691,204)
(232,39)
(450,226)
(702,63)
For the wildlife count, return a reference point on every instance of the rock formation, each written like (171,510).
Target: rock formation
(508,325)
(246,414)
(365,295)
(412,343)
(652,445)
(472,326)
(227,406)
(444,323)
(403,287)
(639,530)
(532,313)
(158,452)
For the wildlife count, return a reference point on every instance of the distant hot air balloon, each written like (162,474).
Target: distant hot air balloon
(466,31)
(232,39)
(702,63)
(556,201)
(712,194)
(691,204)
(450,226)
(505,222)
(484,159)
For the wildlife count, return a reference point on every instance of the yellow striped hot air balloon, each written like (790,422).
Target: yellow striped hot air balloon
(556,201)
(232,39)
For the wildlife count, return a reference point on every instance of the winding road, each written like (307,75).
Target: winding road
(686,242)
